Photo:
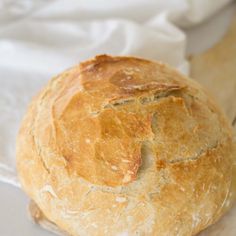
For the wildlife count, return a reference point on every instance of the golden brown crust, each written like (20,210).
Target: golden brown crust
(126,146)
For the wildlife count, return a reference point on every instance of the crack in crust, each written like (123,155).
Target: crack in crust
(201,153)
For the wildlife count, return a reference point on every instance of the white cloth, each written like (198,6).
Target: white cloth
(41,38)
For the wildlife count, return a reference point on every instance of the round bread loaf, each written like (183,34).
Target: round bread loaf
(125,146)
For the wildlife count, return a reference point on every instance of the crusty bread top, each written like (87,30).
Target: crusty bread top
(131,126)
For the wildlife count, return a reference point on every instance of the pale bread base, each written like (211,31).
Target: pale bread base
(38,217)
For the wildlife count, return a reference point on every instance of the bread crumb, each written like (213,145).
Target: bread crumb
(114,168)
(87,140)
(121,199)
(123,234)
(126,178)
(125,160)
(48,188)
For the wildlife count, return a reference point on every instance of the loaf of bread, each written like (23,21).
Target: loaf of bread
(122,146)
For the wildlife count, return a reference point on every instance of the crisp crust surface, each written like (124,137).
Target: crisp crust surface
(126,146)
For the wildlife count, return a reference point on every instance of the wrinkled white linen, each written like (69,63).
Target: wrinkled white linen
(39,39)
